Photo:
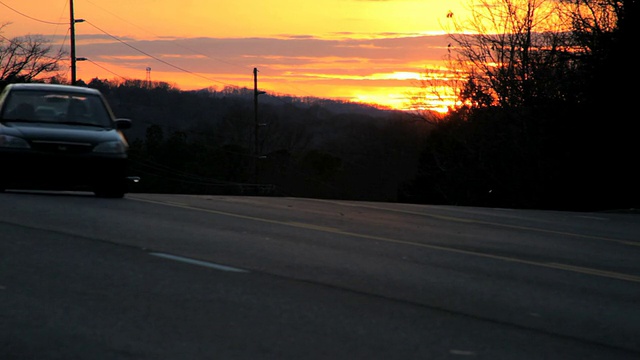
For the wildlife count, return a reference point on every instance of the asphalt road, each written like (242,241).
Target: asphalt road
(228,277)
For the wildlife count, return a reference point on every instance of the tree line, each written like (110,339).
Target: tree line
(203,142)
(544,117)
(545,93)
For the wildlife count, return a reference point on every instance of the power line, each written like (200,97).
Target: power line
(60,51)
(105,69)
(156,35)
(156,58)
(30,17)
(187,48)
(140,51)
(124,43)
(64,41)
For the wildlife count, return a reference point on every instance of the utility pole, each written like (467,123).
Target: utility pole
(256,154)
(73,43)
(72,22)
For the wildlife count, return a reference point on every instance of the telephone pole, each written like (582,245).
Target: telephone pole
(72,23)
(256,154)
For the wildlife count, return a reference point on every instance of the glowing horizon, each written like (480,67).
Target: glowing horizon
(375,53)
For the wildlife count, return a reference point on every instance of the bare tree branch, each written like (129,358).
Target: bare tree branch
(507,48)
(24,58)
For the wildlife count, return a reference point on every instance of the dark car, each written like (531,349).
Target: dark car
(61,137)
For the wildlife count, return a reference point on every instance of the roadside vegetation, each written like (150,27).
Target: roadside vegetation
(543,121)
(545,112)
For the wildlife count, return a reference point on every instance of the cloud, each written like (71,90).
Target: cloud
(233,54)
(342,67)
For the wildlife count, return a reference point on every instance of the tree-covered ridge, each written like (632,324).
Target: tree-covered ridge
(204,142)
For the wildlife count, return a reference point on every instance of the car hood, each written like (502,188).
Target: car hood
(60,132)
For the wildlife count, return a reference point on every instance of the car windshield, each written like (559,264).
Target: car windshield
(56,107)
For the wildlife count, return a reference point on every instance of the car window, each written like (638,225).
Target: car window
(21,111)
(64,108)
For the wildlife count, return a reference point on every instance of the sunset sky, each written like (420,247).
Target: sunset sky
(359,50)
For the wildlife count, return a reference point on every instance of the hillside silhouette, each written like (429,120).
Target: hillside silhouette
(203,142)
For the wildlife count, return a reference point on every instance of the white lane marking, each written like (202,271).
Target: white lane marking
(613,275)
(592,217)
(462,352)
(198,262)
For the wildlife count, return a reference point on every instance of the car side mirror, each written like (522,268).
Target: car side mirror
(123,124)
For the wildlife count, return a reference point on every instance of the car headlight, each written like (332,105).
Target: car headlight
(13,142)
(111,147)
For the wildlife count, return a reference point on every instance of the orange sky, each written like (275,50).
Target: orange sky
(360,50)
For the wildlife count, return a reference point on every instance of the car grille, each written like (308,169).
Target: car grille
(61,147)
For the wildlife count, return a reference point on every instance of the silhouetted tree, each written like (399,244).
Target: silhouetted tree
(543,121)
(24,58)
(606,36)
(513,53)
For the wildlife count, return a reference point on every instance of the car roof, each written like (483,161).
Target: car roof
(53,87)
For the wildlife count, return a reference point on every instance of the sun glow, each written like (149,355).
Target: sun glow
(370,52)
(396,91)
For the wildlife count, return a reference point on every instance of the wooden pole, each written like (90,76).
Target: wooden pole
(72,23)
(256,152)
